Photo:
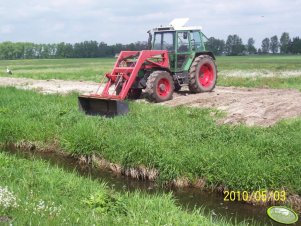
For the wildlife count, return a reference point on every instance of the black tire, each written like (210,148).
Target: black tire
(159,86)
(177,87)
(202,74)
(134,93)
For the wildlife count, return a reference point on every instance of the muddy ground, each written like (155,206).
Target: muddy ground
(263,107)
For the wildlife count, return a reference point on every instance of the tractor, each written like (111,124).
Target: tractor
(176,58)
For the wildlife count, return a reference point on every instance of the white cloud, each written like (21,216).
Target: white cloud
(128,20)
(6,29)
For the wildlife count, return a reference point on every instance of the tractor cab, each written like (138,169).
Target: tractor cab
(181,42)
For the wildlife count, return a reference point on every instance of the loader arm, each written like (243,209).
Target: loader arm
(109,100)
(145,59)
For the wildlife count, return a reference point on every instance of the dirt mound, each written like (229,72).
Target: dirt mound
(250,106)
(262,107)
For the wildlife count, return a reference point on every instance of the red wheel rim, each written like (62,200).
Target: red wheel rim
(206,75)
(163,87)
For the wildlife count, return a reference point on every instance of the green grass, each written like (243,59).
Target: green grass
(179,142)
(274,63)
(266,71)
(66,69)
(93,69)
(261,82)
(36,193)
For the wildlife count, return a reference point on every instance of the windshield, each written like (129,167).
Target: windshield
(164,41)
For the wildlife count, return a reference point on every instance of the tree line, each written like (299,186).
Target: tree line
(86,49)
(234,45)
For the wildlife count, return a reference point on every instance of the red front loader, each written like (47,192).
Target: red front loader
(178,58)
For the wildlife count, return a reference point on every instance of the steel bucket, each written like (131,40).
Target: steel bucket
(105,107)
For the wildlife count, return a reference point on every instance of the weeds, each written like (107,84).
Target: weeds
(103,202)
(8,200)
(46,209)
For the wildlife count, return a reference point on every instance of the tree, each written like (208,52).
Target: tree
(294,46)
(250,46)
(28,50)
(259,51)
(265,46)
(284,42)
(274,44)
(60,50)
(234,46)
(217,46)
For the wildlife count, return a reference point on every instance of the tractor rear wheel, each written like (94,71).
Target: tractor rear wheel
(159,86)
(202,74)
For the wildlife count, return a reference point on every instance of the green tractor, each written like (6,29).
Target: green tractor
(177,58)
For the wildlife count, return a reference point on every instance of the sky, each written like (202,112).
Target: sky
(127,21)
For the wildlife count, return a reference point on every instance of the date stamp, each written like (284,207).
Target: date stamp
(255,196)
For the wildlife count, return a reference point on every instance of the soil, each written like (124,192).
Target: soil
(251,106)
(50,86)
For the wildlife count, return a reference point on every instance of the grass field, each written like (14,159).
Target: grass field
(193,146)
(34,193)
(260,71)
(271,63)
(246,71)
(179,142)
(67,69)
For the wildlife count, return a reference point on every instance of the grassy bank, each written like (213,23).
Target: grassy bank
(244,71)
(192,146)
(35,193)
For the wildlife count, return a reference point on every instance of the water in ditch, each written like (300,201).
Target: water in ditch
(188,198)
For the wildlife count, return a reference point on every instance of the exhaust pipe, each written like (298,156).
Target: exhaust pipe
(91,105)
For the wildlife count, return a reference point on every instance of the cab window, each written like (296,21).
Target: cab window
(183,42)
(164,41)
(196,40)
(168,41)
(157,41)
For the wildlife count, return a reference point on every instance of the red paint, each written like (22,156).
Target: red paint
(206,75)
(163,87)
(129,73)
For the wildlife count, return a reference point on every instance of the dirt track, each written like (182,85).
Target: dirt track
(262,107)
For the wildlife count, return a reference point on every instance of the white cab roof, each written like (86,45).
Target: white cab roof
(179,24)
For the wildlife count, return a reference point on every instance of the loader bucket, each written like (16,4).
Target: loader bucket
(104,107)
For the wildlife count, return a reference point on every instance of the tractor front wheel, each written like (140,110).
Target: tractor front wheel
(202,74)
(159,86)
